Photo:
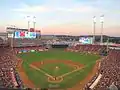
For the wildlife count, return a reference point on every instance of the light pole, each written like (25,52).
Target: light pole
(28,19)
(34,22)
(101,21)
(94,27)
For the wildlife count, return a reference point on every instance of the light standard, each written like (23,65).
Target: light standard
(94,23)
(34,22)
(101,21)
(28,19)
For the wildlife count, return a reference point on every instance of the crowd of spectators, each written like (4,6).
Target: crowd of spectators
(9,78)
(21,42)
(110,70)
(1,40)
(87,48)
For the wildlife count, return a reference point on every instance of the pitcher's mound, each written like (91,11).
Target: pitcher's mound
(56,67)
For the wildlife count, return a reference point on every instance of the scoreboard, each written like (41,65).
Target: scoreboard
(86,40)
(13,32)
(24,34)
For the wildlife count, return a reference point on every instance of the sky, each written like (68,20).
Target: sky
(74,17)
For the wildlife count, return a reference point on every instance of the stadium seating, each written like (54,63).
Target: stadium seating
(8,74)
(110,70)
(87,48)
(1,40)
(26,42)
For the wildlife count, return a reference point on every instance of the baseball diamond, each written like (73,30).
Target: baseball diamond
(57,69)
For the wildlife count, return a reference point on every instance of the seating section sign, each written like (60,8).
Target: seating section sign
(24,34)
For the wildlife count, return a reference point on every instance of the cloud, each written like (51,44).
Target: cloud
(32,9)
(41,9)
(78,9)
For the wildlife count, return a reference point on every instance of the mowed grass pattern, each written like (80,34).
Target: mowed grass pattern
(40,80)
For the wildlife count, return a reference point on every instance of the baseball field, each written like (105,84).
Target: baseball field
(56,68)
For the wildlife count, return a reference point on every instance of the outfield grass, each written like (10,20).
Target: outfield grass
(40,80)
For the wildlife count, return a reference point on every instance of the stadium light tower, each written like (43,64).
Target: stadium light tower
(101,21)
(94,27)
(28,19)
(34,22)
